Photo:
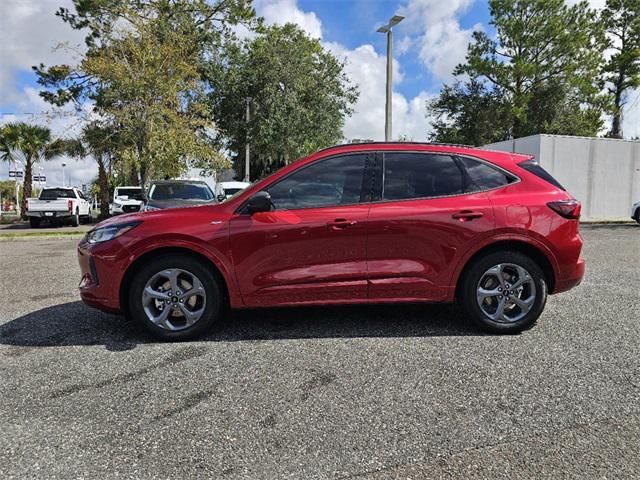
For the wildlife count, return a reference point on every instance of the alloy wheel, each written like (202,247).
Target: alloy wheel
(174,299)
(506,293)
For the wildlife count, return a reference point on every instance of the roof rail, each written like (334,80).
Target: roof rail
(400,143)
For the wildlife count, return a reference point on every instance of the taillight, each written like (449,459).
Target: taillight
(69,205)
(566,208)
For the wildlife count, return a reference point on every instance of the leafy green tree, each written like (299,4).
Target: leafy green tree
(142,72)
(621,72)
(543,63)
(470,113)
(28,144)
(299,96)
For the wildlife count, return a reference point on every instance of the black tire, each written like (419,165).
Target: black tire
(34,222)
(637,217)
(75,220)
(470,281)
(213,308)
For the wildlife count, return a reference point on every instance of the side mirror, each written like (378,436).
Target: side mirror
(221,197)
(260,202)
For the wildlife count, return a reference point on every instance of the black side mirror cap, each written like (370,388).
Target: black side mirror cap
(259,202)
(221,198)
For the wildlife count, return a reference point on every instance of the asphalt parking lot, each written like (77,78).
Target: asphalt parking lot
(352,392)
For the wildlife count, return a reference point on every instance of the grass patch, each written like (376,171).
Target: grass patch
(11,235)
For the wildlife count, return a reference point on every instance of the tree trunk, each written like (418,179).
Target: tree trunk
(133,176)
(143,174)
(26,188)
(103,183)
(616,130)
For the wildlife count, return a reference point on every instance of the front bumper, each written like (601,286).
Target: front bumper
(102,268)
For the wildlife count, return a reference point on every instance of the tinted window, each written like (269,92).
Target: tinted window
(183,191)
(336,181)
(538,171)
(53,193)
(481,176)
(419,175)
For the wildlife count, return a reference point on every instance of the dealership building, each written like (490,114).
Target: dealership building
(603,173)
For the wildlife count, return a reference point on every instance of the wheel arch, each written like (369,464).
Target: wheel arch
(162,251)
(534,252)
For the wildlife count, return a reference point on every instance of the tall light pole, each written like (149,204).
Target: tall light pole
(396,19)
(63,165)
(246,146)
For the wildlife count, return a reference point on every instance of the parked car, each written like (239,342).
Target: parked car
(635,212)
(359,223)
(165,194)
(225,190)
(126,200)
(58,205)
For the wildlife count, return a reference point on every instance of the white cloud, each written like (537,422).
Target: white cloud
(631,115)
(442,42)
(285,11)
(366,68)
(30,33)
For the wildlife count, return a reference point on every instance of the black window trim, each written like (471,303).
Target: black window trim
(370,156)
(454,157)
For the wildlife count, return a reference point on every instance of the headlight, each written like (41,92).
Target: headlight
(104,234)
(116,205)
(149,208)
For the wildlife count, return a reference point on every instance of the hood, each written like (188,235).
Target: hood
(176,212)
(178,202)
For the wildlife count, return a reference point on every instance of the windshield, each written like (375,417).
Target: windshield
(132,193)
(182,191)
(53,193)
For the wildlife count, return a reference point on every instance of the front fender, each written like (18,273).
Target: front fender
(215,250)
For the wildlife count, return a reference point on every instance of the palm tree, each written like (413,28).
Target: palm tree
(29,144)
(98,139)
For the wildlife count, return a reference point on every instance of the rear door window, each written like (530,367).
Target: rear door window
(420,175)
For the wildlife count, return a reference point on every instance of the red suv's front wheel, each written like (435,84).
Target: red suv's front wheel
(175,297)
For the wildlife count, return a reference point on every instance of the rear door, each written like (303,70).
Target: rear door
(311,248)
(427,213)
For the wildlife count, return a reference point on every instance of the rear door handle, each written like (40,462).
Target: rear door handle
(341,223)
(465,215)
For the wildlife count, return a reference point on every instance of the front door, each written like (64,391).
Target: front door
(311,248)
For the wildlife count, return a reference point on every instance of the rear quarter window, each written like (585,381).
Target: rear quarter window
(532,166)
(481,176)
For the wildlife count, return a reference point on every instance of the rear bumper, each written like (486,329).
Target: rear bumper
(571,278)
(49,215)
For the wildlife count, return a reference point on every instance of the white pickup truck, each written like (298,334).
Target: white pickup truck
(57,205)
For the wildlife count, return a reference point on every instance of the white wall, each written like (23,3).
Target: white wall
(604,174)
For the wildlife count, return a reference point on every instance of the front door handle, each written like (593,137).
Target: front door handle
(341,223)
(466,215)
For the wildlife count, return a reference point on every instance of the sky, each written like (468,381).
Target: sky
(428,44)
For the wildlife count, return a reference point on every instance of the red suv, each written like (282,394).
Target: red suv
(362,223)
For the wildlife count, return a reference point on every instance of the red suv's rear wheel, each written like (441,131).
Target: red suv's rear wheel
(504,292)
